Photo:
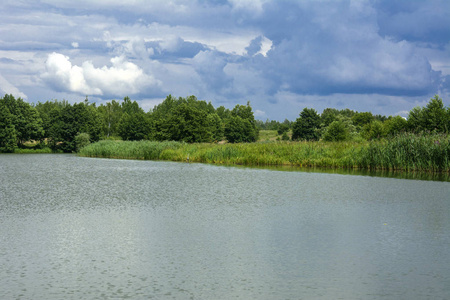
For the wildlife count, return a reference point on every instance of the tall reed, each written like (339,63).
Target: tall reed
(408,152)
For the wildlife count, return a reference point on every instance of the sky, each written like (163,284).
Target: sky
(382,56)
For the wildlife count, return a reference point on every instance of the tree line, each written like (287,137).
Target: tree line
(67,127)
(345,125)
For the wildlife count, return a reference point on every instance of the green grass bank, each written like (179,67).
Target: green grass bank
(405,152)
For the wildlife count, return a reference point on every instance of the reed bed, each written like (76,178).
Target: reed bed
(302,154)
(406,152)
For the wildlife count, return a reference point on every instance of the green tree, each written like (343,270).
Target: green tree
(328,116)
(306,127)
(82,140)
(8,136)
(336,131)
(347,113)
(432,117)
(435,115)
(240,126)
(45,112)
(216,126)
(416,119)
(186,123)
(110,115)
(71,120)
(223,113)
(394,125)
(360,119)
(282,128)
(373,130)
(130,107)
(134,126)
(25,118)
(161,110)
(238,130)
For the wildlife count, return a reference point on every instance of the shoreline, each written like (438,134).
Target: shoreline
(405,153)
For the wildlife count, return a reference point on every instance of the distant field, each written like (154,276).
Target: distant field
(270,135)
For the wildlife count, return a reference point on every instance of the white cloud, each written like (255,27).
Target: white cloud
(122,78)
(280,55)
(266,45)
(259,113)
(7,88)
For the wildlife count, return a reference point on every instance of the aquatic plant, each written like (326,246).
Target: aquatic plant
(408,152)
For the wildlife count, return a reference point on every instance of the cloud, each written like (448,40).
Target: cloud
(280,55)
(421,21)
(334,47)
(210,65)
(259,113)
(7,88)
(122,78)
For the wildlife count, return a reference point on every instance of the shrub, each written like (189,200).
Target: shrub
(81,140)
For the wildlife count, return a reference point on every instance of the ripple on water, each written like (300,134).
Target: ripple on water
(76,228)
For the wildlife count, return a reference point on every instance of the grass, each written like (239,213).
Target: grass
(270,135)
(32,151)
(406,152)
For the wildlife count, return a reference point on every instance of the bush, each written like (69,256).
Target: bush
(81,140)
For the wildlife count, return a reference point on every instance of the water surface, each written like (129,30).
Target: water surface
(83,228)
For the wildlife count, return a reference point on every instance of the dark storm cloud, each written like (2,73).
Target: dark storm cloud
(334,47)
(422,21)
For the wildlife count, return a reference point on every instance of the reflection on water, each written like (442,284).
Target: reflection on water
(374,173)
(74,228)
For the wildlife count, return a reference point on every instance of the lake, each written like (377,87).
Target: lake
(86,228)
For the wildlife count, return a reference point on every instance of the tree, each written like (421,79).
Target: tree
(394,125)
(282,128)
(25,118)
(432,117)
(435,116)
(216,126)
(134,126)
(236,130)
(416,119)
(70,121)
(336,131)
(241,125)
(130,107)
(328,116)
(110,114)
(373,130)
(8,136)
(223,113)
(307,126)
(360,119)
(82,140)
(186,123)
(161,110)
(44,110)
